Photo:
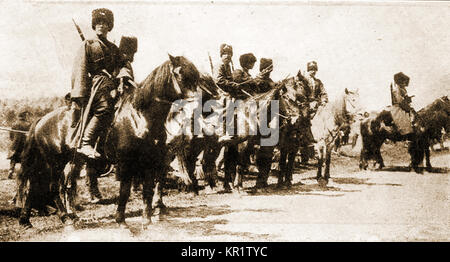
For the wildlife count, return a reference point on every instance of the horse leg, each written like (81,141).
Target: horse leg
(427,158)
(158,203)
(25,213)
(327,163)
(282,166)
(290,168)
(92,182)
(147,196)
(230,169)
(379,159)
(124,193)
(362,160)
(70,186)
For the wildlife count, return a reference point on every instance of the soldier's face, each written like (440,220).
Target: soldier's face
(128,57)
(101,28)
(226,58)
(251,65)
(312,72)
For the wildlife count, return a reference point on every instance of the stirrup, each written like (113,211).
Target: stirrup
(89,151)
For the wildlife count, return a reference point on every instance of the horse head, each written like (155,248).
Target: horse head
(185,76)
(352,104)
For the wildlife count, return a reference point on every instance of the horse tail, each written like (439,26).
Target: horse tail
(32,181)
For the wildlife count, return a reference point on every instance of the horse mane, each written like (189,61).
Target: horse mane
(440,104)
(328,117)
(152,86)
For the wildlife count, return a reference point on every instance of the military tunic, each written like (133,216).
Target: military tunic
(401,109)
(226,82)
(317,90)
(241,76)
(264,84)
(96,64)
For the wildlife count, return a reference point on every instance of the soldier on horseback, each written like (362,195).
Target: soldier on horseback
(263,81)
(403,114)
(93,75)
(316,93)
(243,77)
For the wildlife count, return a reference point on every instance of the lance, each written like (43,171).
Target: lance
(13,130)
(211,64)
(79,30)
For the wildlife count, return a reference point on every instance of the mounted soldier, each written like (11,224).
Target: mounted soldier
(17,141)
(263,81)
(127,50)
(93,75)
(402,112)
(317,96)
(243,77)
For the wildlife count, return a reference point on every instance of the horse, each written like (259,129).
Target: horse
(135,143)
(326,126)
(430,121)
(294,129)
(242,145)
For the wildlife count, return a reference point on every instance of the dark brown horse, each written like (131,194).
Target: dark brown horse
(376,130)
(135,143)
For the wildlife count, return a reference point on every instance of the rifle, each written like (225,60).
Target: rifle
(79,30)
(211,64)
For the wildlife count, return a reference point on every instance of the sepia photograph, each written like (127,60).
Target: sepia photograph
(224,121)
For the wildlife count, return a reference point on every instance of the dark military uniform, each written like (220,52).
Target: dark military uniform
(317,91)
(17,142)
(95,66)
(401,110)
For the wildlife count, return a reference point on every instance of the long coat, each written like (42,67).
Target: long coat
(94,57)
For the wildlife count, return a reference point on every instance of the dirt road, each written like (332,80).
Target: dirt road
(388,205)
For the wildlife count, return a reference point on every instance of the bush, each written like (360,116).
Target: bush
(10,109)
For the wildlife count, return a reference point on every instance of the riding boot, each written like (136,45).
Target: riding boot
(89,138)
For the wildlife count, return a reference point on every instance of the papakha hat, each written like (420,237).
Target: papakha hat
(128,44)
(247,59)
(103,14)
(312,66)
(226,49)
(401,79)
(264,63)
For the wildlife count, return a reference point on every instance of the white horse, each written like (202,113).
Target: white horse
(327,124)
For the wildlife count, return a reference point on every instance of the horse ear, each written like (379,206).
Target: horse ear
(173,60)
(346,91)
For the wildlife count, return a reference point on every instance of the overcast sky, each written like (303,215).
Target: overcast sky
(356,45)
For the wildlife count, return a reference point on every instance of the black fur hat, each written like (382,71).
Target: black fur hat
(312,66)
(264,63)
(224,48)
(128,44)
(401,79)
(103,14)
(247,59)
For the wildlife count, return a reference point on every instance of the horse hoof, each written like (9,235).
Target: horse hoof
(322,182)
(25,223)
(123,225)
(69,228)
(120,218)
(146,222)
